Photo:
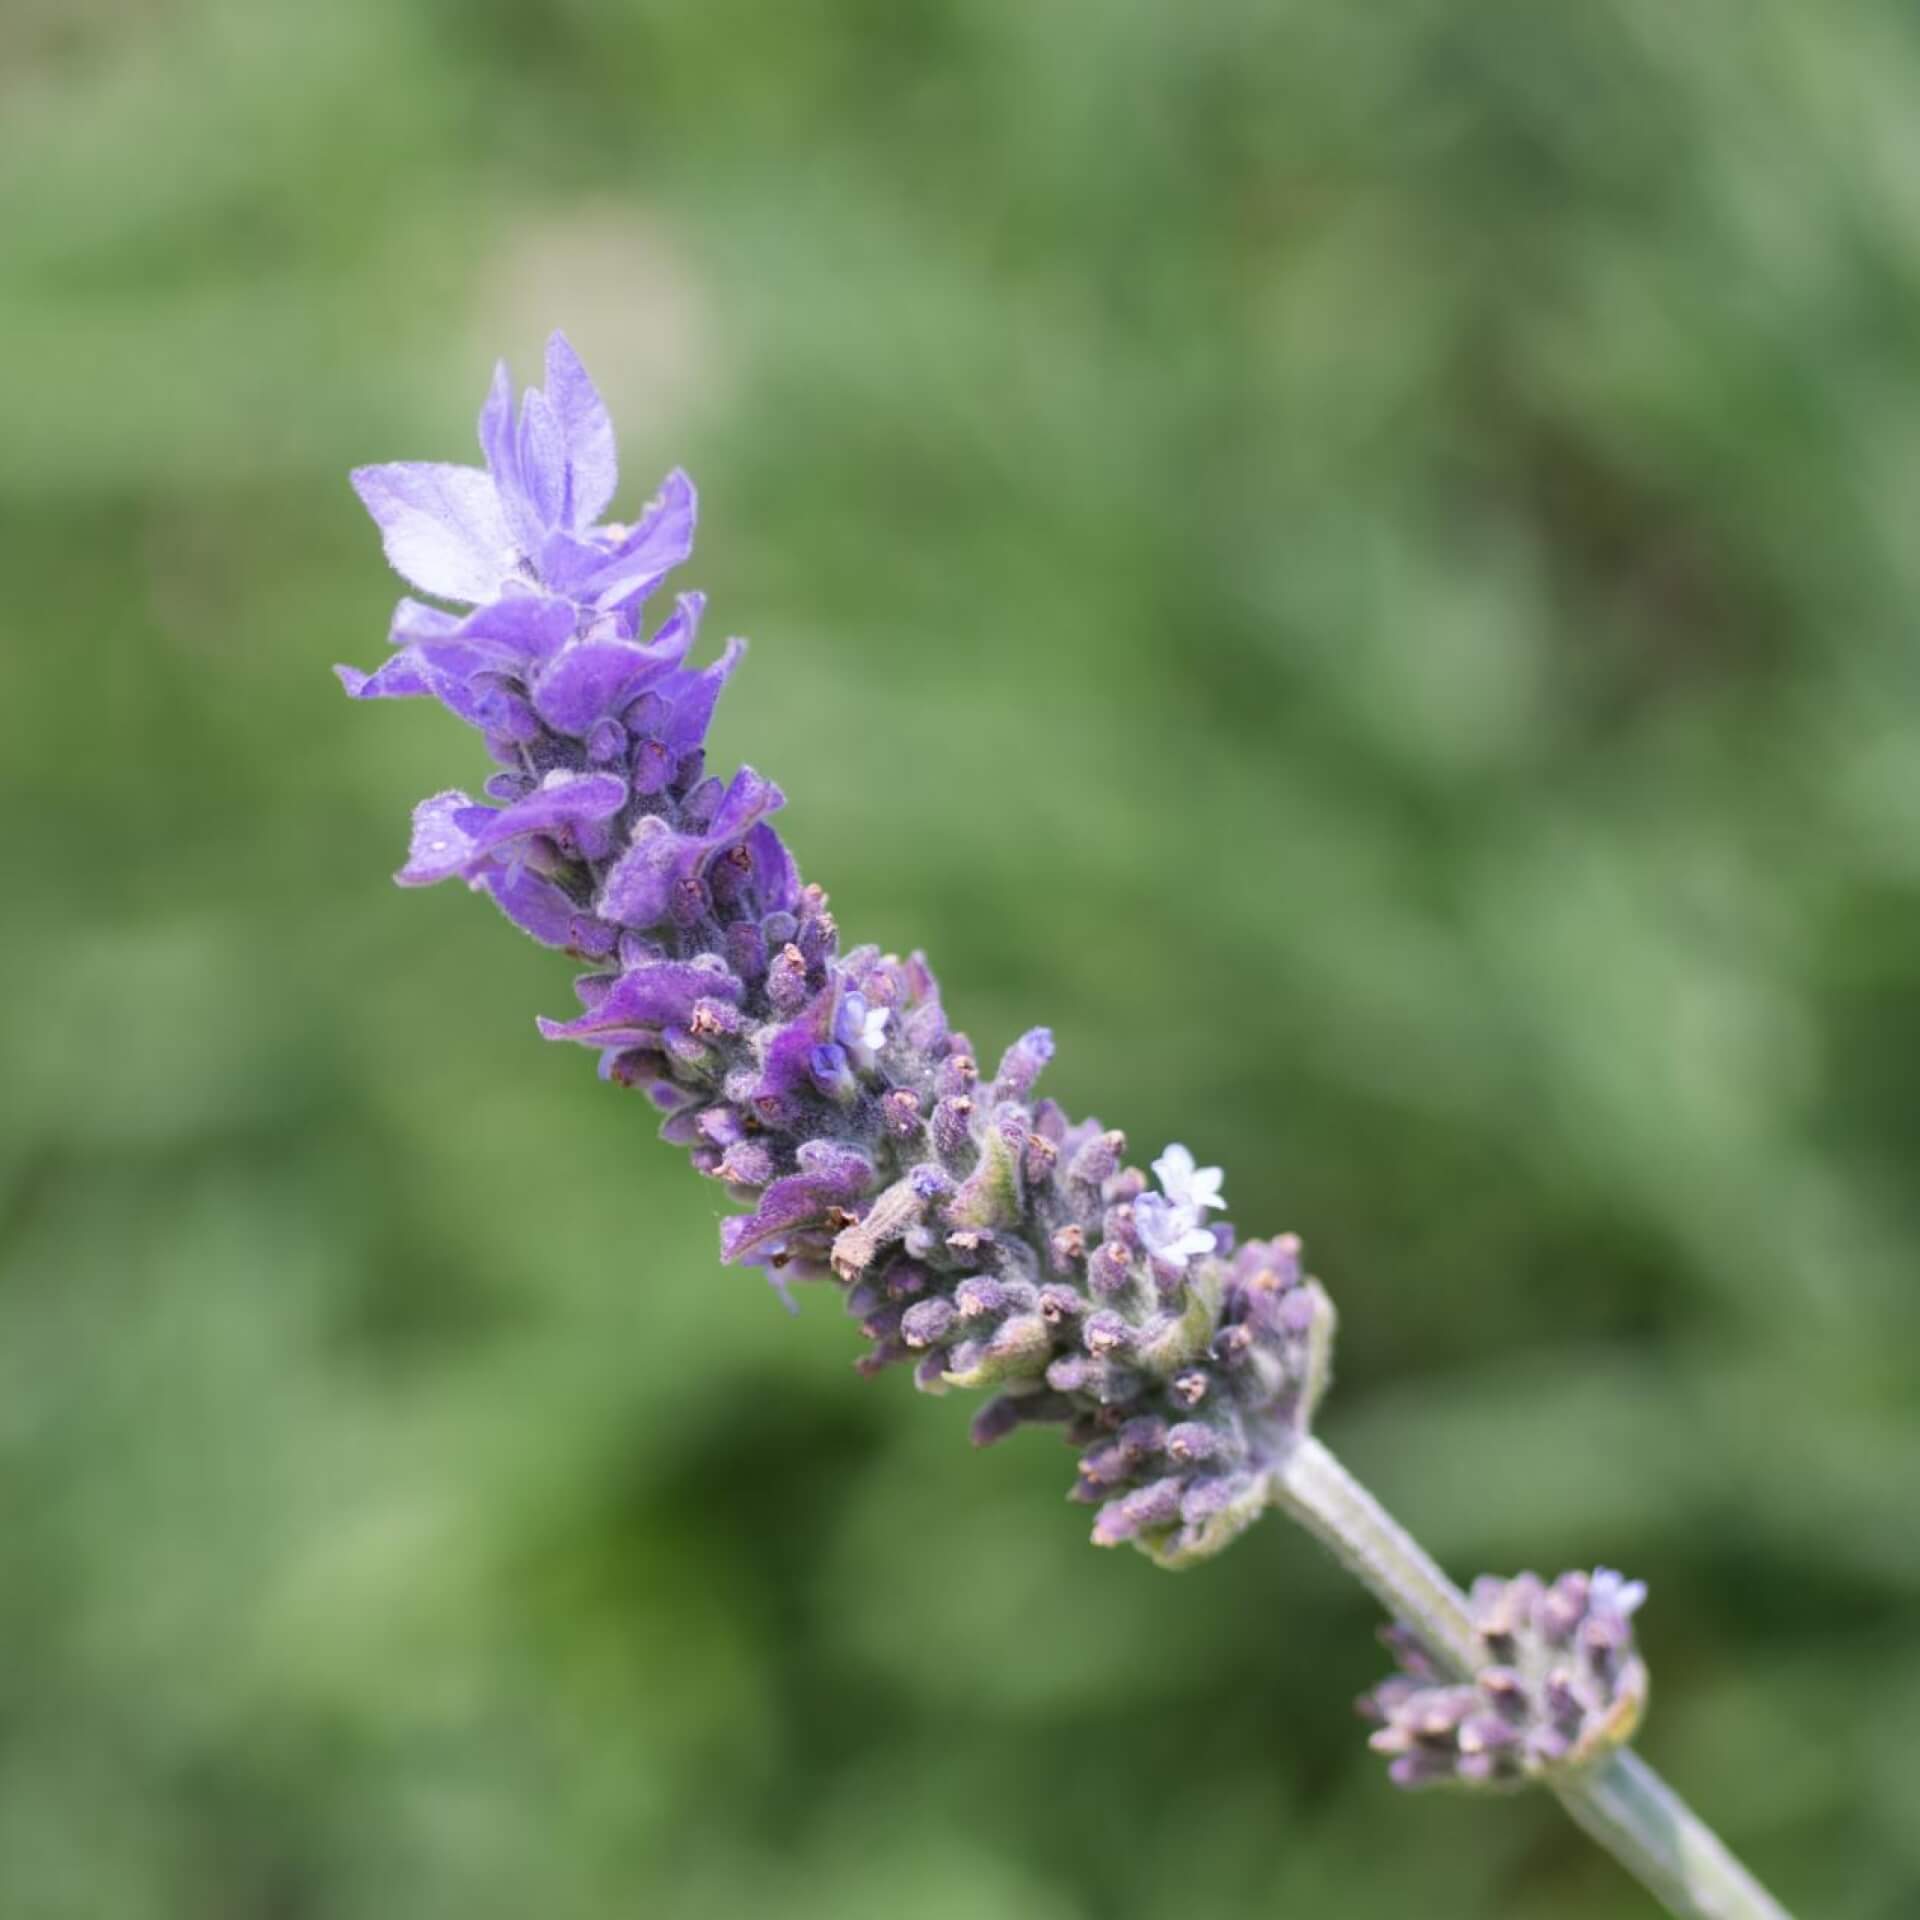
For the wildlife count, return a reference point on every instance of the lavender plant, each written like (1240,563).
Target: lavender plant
(980,1237)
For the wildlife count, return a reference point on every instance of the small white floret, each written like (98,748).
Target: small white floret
(1184,1183)
(1169,1232)
(1609,1588)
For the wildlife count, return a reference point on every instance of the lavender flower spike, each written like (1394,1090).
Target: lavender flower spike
(979,1237)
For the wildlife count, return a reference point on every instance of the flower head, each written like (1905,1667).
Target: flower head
(979,1236)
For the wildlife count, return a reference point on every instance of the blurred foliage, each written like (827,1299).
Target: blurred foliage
(1360,562)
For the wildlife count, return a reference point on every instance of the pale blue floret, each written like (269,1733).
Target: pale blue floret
(1173,1228)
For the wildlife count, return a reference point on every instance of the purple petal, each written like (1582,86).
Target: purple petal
(615,1039)
(694,694)
(416,620)
(565,800)
(441,525)
(440,845)
(655,544)
(668,990)
(446,672)
(639,889)
(436,657)
(440,653)
(587,429)
(749,798)
(655,996)
(402,677)
(536,906)
(518,627)
(832,1176)
(636,892)
(542,452)
(682,1129)
(776,879)
(636,1067)
(568,564)
(503,460)
(787,1065)
(593,679)
(496,420)
(679,629)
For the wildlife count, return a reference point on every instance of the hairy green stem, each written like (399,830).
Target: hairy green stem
(1620,1801)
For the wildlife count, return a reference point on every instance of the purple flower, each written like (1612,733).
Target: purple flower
(659,874)
(527,520)
(1171,1225)
(554,640)
(453,835)
(978,1235)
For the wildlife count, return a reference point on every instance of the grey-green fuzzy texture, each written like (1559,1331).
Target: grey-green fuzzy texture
(1361,563)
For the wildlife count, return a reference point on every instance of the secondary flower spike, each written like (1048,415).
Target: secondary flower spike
(1562,1684)
(979,1236)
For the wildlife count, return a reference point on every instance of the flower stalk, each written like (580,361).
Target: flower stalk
(1617,1797)
(979,1236)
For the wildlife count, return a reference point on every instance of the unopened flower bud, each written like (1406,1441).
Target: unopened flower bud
(1527,1714)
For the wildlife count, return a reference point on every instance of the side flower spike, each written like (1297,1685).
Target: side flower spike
(1563,1685)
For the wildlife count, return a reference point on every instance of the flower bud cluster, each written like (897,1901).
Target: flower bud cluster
(980,1238)
(1562,1685)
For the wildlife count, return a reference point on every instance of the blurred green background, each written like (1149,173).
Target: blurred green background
(1362,563)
